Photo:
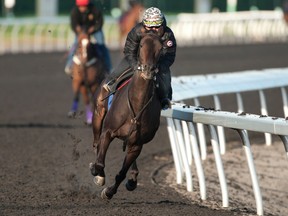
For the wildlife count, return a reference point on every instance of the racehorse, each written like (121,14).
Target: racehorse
(133,117)
(88,71)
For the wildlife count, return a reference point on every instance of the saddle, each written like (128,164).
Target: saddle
(123,80)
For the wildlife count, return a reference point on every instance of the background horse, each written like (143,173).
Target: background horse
(88,71)
(133,117)
(129,19)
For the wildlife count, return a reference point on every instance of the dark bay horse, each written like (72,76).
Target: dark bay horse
(133,117)
(88,71)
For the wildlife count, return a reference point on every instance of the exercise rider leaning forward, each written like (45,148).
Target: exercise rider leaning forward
(153,22)
(85,16)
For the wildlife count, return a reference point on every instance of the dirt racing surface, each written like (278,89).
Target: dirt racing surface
(44,156)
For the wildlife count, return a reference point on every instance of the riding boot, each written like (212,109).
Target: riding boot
(165,103)
(122,70)
(68,66)
(164,90)
(69,62)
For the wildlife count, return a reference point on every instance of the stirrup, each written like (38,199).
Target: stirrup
(109,86)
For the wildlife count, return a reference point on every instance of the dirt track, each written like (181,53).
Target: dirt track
(44,156)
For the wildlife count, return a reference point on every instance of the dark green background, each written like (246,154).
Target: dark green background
(28,7)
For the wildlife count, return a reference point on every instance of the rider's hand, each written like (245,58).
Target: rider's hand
(91,30)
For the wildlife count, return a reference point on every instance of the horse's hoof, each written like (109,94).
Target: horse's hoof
(99,180)
(88,122)
(131,185)
(91,165)
(93,169)
(89,117)
(104,196)
(71,114)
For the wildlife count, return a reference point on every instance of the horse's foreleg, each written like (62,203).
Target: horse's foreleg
(100,111)
(97,169)
(132,154)
(87,102)
(85,93)
(131,184)
(99,114)
(76,92)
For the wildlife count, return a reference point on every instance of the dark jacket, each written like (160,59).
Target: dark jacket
(169,46)
(90,21)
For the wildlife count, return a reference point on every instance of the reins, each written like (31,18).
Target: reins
(113,92)
(135,117)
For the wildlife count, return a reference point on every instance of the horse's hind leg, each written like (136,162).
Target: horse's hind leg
(74,107)
(131,184)
(76,90)
(132,154)
(87,102)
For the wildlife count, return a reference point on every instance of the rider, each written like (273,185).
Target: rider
(86,17)
(153,21)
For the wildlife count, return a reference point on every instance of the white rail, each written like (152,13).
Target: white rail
(45,35)
(187,87)
(188,116)
(230,28)
(54,34)
(182,120)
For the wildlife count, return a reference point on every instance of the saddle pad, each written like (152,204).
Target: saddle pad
(110,98)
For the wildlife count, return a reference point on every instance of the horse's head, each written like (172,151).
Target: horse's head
(149,53)
(82,51)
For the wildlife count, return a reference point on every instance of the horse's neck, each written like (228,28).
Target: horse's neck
(90,52)
(140,92)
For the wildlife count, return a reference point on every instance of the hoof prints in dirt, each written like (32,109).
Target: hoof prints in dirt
(75,152)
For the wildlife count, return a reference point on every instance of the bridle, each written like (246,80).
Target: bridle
(82,60)
(146,73)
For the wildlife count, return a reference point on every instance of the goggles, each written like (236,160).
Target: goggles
(153,23)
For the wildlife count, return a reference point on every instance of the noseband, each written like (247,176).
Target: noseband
(147,72)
